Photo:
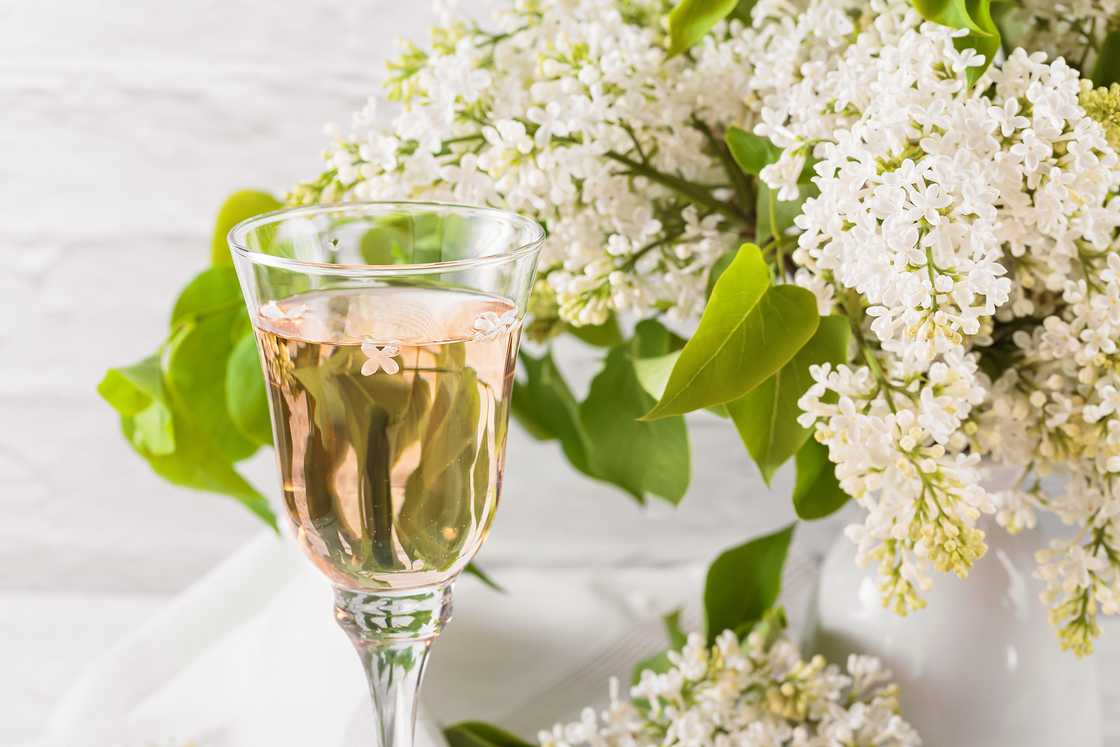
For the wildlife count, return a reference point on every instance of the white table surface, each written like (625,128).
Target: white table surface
(46,638)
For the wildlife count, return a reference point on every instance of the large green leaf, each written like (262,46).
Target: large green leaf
(194,366)
(748,331)
(752,152)
(136,392)
(744,582)
(246,395)
(653,373)
(766,417)
(212,291)
(479,734)
(196,463)
(639,456)
(238,207)
(817,493)
(713,355)
(545,406)
(690,20)
(174,448)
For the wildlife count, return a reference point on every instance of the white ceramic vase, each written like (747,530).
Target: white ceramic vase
(980,665)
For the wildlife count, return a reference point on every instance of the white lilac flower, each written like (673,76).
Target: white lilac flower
(380,358)
(489,325)
(273,312)
(755,692)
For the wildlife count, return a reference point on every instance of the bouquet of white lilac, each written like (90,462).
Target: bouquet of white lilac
(755,692)
(934,218)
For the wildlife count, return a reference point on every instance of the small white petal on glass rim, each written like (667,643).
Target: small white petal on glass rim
(274,312)
(380,358)
(489,325)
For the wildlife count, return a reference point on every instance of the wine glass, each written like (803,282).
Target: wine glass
(388,337)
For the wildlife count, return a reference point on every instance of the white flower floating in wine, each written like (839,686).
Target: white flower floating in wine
(380,358)
(275,313)
(488,325)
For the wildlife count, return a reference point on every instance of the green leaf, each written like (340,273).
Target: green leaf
(973,15)
(473,569)
(196,464)
(692,19)
(816,493)
(136,392)
(212,291)
(655,350)
(194,367)
(160,431)
(173,447)
(603,335)
(952,13)
(771,211)
(479,734)
(653,373)
(384,244)
(752,152)
(766,417)
(131,389)
(986,41)
(1106,71)
(744,582)
(544,405)
(454,440)
(652,338)
(246,396)
(711,357)
(238,207)
(743,10)
(597,435)
(718,268)
(658,664)
(771,626)
(640,457)
(748,332)
(677,636)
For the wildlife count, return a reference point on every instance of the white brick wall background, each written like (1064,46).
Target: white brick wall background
(122,126)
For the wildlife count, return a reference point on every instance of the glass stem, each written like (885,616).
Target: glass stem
(392,632)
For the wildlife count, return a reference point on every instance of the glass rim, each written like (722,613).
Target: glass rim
(236,235)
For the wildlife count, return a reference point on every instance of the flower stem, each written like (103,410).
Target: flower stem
(685,188)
